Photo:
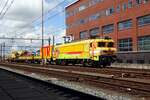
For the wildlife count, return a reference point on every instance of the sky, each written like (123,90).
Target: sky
(23,20)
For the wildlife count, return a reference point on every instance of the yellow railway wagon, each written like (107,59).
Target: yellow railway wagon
(29,59)
(25,57)
(37,57)
(92,51)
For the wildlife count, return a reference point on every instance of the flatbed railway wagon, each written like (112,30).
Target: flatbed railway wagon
(47,56)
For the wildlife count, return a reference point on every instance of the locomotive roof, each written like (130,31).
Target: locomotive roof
(85,41)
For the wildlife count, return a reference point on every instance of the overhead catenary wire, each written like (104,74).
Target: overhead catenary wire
(50,10)
(46,13)
(25,46)
(40,16)
(49,18)
(53,16)
(36,19)
(20,38)
(57,30)
(7,9)
(4,7)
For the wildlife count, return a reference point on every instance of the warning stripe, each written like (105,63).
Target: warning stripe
(74,52)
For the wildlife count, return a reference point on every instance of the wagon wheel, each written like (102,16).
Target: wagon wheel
(84,64)
(64,62)
(57,62)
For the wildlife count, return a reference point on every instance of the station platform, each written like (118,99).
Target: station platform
(13,88)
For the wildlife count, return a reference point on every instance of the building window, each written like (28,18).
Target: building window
(83,21)
(76,10)
(138,1)
(119,60)
(118,8)
(83,35)
(68,14)
(108,28)
(129,61)
(82,7)
(94,32)
(140,61)
(110,11)
(144,43)
(125,44)
(94,2)
(94,17)
(125,24)
(145,1)
(144,20)
(124,6)
(67,26)
(130,3)
(103,13)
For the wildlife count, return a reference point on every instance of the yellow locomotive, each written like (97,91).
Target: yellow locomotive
(95,52)
(86,52)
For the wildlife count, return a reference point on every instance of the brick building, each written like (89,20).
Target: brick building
(127,22)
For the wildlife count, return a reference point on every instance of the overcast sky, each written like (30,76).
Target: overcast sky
(18,21)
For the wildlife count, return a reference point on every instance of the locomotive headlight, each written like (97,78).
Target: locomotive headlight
(96,51)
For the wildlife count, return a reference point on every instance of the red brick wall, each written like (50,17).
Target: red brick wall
(129,13)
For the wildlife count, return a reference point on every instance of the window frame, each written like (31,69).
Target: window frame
(110,11)
(124,6)
(85,34)
(93,29)
(138,2)
(104,31)
(125,45)
(144,43)
(126,24)
(140,20)
(130,4)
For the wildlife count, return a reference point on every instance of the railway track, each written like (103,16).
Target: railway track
(20,87)
(116,72)
(125,85)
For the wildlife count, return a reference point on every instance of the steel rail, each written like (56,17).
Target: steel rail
(124,85)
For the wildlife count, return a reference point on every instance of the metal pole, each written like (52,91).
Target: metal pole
(1,52)
(53,45)
(49,41)
(42,32)
(4,52)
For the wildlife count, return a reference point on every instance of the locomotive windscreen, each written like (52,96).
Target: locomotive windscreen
(101,44)
(110,44)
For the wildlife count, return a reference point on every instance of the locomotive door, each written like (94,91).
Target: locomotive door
(92,49)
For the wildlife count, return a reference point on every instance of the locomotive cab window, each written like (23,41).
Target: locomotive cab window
(110,44)
(101,44)
(90,44)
